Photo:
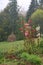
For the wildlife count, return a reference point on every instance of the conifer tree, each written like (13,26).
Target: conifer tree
(32,8)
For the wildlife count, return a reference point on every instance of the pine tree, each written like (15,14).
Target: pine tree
(13,14)
(32,8)
(41,2)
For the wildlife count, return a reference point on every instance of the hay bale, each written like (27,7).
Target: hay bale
(11,37)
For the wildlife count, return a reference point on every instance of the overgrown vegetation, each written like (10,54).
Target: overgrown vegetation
(14,53)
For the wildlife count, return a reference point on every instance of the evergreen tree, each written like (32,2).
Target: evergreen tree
(4,24)
(41,2)
(13,14)
(32,8)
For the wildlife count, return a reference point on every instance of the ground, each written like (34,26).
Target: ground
(11,47)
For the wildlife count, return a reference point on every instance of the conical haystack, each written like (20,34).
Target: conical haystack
(11,37)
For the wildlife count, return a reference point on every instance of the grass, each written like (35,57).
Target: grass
(8,46)
(16,46)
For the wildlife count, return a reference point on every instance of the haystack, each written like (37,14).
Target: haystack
(11,37)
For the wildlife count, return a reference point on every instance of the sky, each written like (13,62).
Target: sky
(24,4)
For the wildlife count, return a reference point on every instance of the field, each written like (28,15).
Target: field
(11,47)
(16,46)
(8,47)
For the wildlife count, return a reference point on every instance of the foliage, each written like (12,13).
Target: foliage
(37,18)
(13,14)
(8,22)
(29,32)
(1,58)
(4,26)
(41,47)
(34,59)
(9,46)
(32,8)
(19,35)
(21,56)
(41,44)
(41,2)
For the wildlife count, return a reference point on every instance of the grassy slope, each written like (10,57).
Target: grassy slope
(7,46)
(16,46)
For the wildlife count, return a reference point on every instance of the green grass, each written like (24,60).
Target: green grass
(7,46)
(15,46)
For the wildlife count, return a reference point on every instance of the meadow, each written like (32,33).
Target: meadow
(7,46)
(10,53)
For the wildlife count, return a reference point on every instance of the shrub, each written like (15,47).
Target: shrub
(41,44)
(1,58)
(37,18)
(32,59)
(1,55)
(41,47)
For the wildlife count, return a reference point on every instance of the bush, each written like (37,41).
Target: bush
(41,44)
(37,18)
(1,58)
(32,59)
(1,55)
(41,47)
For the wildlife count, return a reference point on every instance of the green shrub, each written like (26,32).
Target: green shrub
(41,44)
(33,59)
(41,47)
(1,57)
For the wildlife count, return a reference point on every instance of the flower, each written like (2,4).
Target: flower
(26,24)
(20,29)
(26,33)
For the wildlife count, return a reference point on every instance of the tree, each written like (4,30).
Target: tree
(32,8)
(4,24)
(9,22)
(37,18)
(41,2)
(13,14)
